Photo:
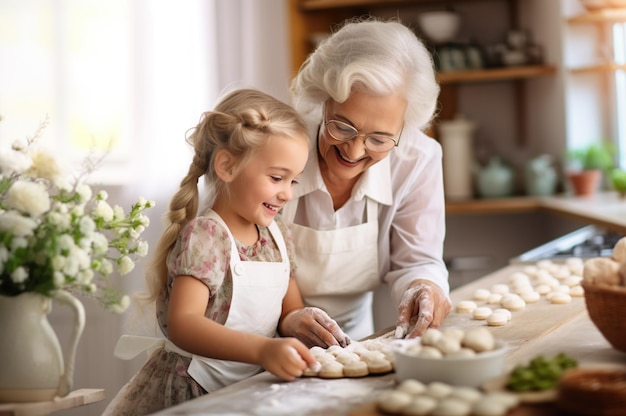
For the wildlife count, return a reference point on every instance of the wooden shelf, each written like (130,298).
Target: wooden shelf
(602,67)
(495,74)
(494,205)
(600,16)
(338,4)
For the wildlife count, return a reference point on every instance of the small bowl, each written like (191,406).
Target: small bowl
(607,306)
(470,372)
(592,392)
(439,26)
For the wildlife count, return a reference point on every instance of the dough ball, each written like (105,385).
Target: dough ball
(572,280)
(420,405)
(331,369)
(317,350)
(312,370)
(577,291)
(531,296)
(619,250)
(479,339)
(468,394)
(428,351)
(324,357)
(513,302)
(543,289)
(466,306)
(356,369)
(481,294)
(601,270)
(489,407)
(368,356)
(561,272)
(455,333)
(347,357)
(504,311)
(411,386)
(451,406)
(379,366)
(575,264)
(497,319)
(448,345)
(500,288)
(482,312)
(531,270)
(334,350)
(438,390)
(494,299)
(560,298)
(519,278)
(431,336)
(414,348)
(393,401)
(545,264)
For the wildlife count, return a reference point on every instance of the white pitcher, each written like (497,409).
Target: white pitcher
(31,361)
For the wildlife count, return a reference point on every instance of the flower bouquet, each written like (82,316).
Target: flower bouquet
(56,233)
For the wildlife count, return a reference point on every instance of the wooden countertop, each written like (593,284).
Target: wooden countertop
(604,209)
(540,328)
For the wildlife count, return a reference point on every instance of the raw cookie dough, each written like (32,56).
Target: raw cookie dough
(560,298)
(466,306)
(497,319)
(379,366)
(479,339)
(481,294)
(331,369)
(393,401)
(482,312)
(355,369)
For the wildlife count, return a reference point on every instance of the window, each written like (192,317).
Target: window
(68,62)
(619,56)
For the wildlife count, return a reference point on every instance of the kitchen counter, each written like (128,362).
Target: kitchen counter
(542,328)
(604,209)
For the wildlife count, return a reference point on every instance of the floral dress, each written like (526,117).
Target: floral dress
(202,251)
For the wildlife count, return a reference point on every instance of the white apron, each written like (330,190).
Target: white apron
(337,269)
(258,291)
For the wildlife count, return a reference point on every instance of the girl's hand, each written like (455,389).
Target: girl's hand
(314,327)
(423,303)
(286,358)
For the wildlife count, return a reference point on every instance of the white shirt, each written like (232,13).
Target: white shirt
(411,214)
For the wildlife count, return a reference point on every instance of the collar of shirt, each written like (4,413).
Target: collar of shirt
(375,182)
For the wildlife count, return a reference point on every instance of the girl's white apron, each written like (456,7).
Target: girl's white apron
(258,291)
(337,269)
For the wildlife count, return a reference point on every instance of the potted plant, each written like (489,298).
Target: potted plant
(587,165)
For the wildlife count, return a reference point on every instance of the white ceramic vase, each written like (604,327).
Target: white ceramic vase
(31,360)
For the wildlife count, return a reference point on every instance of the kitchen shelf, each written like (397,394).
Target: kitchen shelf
(600,16)
(603,67)
(494,205)
(495,74)
(311,5)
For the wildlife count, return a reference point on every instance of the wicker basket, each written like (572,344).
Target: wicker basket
(593,392)
(607,308)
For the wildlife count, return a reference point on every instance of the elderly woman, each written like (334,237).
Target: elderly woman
(369,208)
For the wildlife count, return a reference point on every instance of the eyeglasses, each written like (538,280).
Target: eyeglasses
(344,132)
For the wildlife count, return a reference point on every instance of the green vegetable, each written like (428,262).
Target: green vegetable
(541,373)
(618,180)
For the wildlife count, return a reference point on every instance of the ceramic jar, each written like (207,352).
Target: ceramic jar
(456,137)
(540,176)
(33,368)
(495,180)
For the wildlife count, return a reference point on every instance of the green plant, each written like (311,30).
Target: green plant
(595,156)
(618,181)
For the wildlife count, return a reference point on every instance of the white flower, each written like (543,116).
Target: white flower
(102,195)
(99,244)
(60,220)
(144,220)
(66,242)
(142,248)
(19,275)
(86,225)
(106,267)
(84,192)
(17,224)
(125,265)
(12,161)
(45,166)
(121,306)
(118,212)
(58,262)
(103,210)
(29,197)
(58,279)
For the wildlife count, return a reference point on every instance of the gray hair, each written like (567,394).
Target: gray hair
(370,56)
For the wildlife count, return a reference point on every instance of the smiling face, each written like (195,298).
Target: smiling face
(344,162)
(263,186)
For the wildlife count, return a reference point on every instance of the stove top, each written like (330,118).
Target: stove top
(587,242)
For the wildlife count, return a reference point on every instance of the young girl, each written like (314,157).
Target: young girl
(222,280)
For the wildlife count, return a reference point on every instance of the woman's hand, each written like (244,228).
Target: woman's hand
(286,358)
(423,303)
(314,327)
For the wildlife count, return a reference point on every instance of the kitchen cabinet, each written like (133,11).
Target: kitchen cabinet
(309,17)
